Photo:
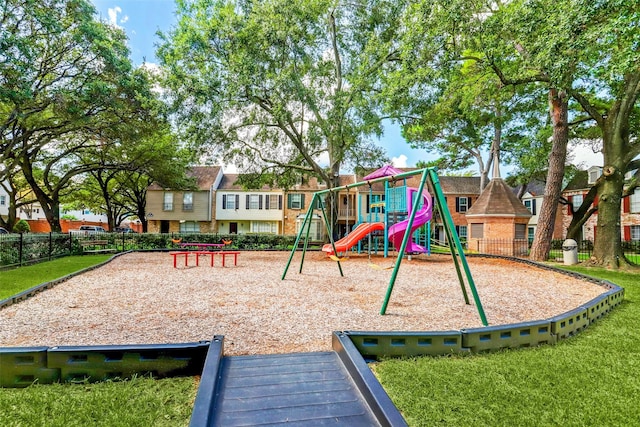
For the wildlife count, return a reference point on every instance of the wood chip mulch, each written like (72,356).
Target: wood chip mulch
(139,298)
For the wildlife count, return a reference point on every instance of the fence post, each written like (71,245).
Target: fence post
(20,248)
(50,244)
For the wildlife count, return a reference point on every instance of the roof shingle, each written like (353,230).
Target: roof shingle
(498,199)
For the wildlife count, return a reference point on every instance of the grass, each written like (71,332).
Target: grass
(589,379)
(137,402)
(140,401)
(19,279)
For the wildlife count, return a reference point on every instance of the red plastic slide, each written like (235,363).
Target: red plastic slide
(354,237)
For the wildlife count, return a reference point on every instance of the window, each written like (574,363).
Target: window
(531,232)
(635,201)
(635,233)
(167,205)
(462,231)
(264,227)
(295,201)
(594,174)
(320,202)
(576,201)
(521,230)
(531,205)
(187,202)
(477,231)
(230,201)
(315,230)
(254,201)
(3,200)
(189,227)
(463,204)
(273,201)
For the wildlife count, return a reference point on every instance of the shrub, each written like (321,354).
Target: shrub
(21,226)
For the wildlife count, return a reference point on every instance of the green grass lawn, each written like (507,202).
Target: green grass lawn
(587,380)
(135,402)
(19,279)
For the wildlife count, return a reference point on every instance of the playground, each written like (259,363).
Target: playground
(141,298)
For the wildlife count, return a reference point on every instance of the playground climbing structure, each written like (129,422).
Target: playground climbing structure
(417,213)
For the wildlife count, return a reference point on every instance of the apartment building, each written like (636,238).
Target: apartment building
(239,210)
(185,211)
(576,191)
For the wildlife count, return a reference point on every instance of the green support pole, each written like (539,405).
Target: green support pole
(309,216)
(452,249)
(403,246)
(295,245)
(448,221)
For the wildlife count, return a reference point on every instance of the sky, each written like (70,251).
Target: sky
(142,19)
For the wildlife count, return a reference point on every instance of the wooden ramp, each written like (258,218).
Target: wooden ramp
(334,388)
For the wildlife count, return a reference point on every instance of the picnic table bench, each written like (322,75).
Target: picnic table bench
(197,254)
(101,244)
(202,245)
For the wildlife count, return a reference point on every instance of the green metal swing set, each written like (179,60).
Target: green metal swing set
(452,236)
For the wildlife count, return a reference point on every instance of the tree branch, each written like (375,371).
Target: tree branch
(587,107)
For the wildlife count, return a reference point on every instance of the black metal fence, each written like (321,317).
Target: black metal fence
(21,249)
(522,247)
(29,248)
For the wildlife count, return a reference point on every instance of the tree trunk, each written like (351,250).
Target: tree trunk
(53,216)
(558,103)
(333,202)
(582,215)
(607,249)
(50,205)
(12,214)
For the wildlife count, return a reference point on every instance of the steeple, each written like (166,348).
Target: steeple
(496,164)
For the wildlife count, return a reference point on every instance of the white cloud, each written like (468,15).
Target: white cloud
(113,15)
(400,161)
(585,154)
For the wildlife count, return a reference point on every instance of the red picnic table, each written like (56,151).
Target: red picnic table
(224,255)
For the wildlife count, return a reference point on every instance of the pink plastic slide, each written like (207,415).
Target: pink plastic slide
(397,231)
(354,237)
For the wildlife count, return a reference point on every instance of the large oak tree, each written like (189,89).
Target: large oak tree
(281,86)
(67,88)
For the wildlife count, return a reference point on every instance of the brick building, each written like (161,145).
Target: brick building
(498,220)
(575,192)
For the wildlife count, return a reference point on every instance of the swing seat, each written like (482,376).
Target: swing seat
(379,267)
(335,258)
(176,241)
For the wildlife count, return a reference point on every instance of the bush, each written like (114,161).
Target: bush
(21,226)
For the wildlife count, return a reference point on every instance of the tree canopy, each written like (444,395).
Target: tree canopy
(68,92)
(576,50)
(280,86)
